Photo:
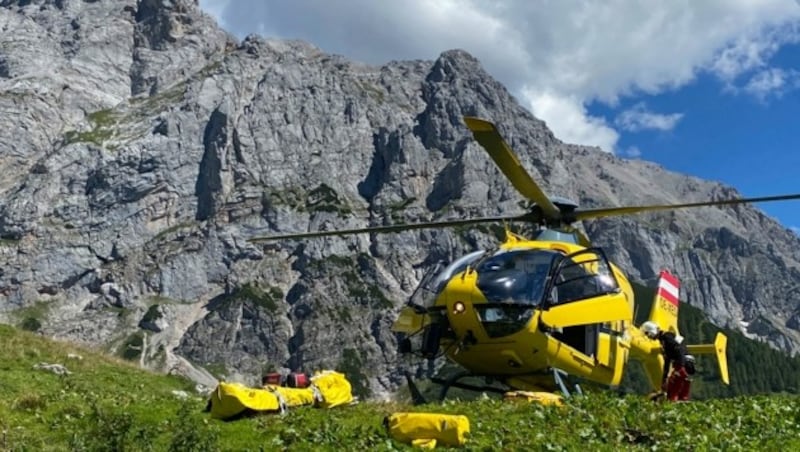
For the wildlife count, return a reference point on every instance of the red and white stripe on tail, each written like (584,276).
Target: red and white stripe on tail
(669,287)
(665,305)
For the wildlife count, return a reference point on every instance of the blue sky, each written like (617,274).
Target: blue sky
(709,88)
(751,142)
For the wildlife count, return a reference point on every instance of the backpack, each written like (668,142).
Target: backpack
(690,365)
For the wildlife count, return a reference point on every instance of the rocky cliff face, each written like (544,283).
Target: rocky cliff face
(141,146)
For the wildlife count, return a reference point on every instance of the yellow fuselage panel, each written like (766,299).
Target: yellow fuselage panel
(530,351)
(410,321)
(521,352)
(566,248)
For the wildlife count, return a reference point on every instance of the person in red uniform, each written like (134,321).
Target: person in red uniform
(678,384)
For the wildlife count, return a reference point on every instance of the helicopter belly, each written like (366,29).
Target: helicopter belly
(532,353)
(577,363)
(528,366)
(509,358)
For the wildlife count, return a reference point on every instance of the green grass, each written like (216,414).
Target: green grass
(109,404)
(9,242)
(30,318)
(267,298)
(103,122)
(175,228)
(112,126)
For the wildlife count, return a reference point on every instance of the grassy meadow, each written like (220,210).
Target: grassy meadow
(108,404)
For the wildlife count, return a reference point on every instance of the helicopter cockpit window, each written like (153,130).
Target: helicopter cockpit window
(515,277)
(513,283)
(581,276)
(432,284)
(500,320)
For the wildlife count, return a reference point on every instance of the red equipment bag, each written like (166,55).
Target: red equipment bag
(273,378)
(297,380)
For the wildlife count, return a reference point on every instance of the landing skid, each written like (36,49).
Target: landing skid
(453,382)
(559,377)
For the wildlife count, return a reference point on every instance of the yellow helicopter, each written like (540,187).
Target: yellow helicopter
(532,312)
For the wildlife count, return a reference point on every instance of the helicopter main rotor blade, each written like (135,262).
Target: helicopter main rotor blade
(389,228)
(612,211)
(487,135)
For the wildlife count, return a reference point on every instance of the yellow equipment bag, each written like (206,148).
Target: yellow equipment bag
(540,397)
(333,388)
(231,399)
(428,429)
(294,396)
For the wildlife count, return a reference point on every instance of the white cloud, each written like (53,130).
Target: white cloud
(771,82)
(559,55)
(748,53)
(632,152)
(568,115)
(638,118)
(795,229)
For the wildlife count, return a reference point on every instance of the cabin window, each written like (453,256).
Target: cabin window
(580,276)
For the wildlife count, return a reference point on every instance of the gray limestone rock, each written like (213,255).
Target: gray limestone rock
(141,147)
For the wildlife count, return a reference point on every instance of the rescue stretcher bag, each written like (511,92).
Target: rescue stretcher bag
(294,397)
(428,429)
(333,389)
(232,400)
(542,398)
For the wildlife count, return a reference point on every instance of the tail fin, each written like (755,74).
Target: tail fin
(665,304)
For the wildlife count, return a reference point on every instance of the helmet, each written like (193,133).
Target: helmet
(650,329)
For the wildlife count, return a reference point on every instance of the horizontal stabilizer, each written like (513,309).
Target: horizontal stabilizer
(718,348)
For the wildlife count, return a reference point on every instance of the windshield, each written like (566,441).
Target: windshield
(433,282)
(516,276)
